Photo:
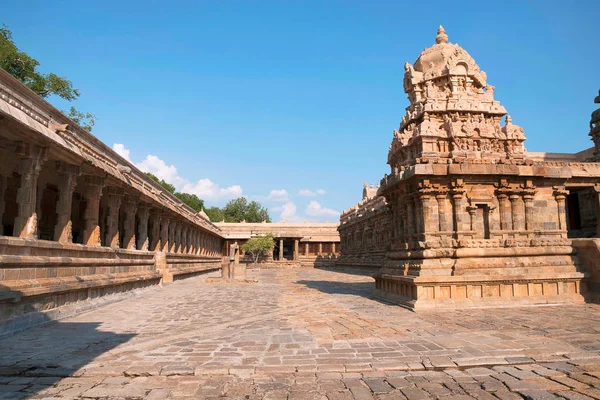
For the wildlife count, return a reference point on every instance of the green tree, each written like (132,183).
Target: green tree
(259,245)
(167,186)
(214,213)
(24,67)
(85,120)
(191,200)
(238,210)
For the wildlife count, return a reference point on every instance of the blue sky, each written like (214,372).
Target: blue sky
(276,100)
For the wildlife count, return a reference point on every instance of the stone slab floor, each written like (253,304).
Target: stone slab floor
(302,334)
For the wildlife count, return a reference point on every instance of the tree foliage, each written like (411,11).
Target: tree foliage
(191,200)
(215,214)
(238,210)
(196,203)
(85,120)
(258,246)
(167,186)
(24,67)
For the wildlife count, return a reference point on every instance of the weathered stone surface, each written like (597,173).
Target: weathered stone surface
(467,217)
(222,339)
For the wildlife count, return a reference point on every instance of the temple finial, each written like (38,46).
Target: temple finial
(441,35)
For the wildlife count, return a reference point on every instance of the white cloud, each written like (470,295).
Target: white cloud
(121,150)
(310,193)
(208,190)
(306,193)
(204,188)
(278,195)
(314,209)
(158,167)
(287,212)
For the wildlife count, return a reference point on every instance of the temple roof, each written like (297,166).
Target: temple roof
(444,57)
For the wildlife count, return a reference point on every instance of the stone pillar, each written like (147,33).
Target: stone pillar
(66,186)
(461,221)
(443,213)
(143,212)
(3,186)
(505,212)
(296,249)
(172,230)
(178,238)
(333,248)
(410,217)
(529,217)
(155,244)
(129,210)
(42,181)
(184,233)
(196,242)
(320,248)
(306,248)
(429,210)
(31,159)
(393,200)
(114,197)
(400,229)
(419,217)
(518,216)
(164,234)
(560,194)
(92,192)
(280,249)
(472,218)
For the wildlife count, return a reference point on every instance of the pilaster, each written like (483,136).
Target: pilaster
(155,217)
(114,197)
(66,186)
(518,214)
(31,159)
(505,212)
(164,233)
(129,211)
(560,194)
(143,213)
(3,186)
(92,192)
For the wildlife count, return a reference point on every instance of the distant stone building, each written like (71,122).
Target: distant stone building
(474,219)
(296,244)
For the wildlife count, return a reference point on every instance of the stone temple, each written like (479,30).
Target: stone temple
(467,217)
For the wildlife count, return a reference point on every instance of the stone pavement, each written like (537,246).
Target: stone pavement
(302,334)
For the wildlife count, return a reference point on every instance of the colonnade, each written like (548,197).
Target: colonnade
(45,198)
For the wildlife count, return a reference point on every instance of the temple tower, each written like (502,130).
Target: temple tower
(476,221)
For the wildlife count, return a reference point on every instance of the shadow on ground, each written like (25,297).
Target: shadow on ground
(367,271)
(362,289)
(35,359)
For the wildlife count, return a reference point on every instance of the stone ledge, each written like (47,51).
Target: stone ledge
(33,287)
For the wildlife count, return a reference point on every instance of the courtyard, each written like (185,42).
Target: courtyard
(302,334)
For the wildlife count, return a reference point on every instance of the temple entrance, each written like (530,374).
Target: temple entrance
(285,252)
(582,210)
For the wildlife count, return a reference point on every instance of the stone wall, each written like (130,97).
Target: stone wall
(365,233)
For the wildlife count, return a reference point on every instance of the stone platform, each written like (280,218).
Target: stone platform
(303,334)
